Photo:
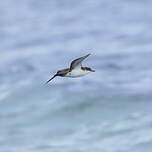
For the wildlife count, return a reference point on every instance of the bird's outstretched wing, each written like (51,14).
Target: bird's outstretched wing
(77,62)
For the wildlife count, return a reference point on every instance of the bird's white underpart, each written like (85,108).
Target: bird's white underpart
(77,72)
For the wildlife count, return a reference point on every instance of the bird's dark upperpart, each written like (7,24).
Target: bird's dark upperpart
(87,69)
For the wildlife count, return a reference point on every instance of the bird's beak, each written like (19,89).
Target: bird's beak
(51,78)
(92,70)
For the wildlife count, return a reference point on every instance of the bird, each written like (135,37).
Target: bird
(75,70)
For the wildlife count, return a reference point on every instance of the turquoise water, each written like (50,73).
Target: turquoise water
(109,110)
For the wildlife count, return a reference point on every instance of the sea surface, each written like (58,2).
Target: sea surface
(106,111)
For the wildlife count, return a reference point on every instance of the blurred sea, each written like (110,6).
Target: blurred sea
(105,111)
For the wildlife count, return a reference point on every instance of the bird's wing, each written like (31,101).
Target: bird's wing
(77,62)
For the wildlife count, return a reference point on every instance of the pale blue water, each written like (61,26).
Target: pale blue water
(105,111)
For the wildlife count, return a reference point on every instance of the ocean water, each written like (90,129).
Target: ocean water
(105,111)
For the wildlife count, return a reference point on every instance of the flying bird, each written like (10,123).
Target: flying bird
(76,69)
